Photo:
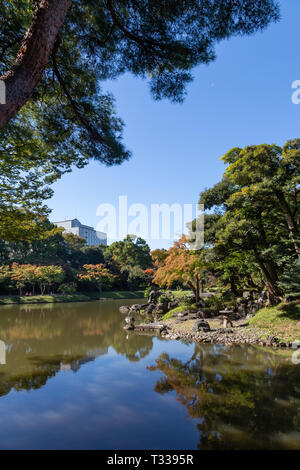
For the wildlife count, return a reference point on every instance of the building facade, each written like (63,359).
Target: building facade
(91,236)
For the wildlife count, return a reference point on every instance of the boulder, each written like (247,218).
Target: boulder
(143,306)
(271,340)
(172,305)
(201,325)
(129,323)
(163,307)
(129,320)
(149,308)
(159,327)
(200,314)
(124,309)
(247,294)
(192,298)
(242,310)
(153,296)
(135,308)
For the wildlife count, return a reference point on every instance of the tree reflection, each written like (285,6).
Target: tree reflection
(241,397)
(42,341)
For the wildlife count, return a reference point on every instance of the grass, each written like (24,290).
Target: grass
(122,294)
(179,293)
(282,321)
(85,297)
(182,307)
(43,299)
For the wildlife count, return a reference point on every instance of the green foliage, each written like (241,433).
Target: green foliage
(289,281)
(146,291)
(253,234)
(48,276)
(128,259)
(67,288)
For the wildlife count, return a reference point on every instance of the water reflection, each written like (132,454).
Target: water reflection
(72,378)
(40,341)
(241,397)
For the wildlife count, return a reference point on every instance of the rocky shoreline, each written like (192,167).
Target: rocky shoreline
(194,323)
(228,327)
(238,334)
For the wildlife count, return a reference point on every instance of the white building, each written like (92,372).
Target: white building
(92,237)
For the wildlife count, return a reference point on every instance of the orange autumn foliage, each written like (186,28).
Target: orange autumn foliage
(179,264)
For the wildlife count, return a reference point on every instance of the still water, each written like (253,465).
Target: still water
(72,378)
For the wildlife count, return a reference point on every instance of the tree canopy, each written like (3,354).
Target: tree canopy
(254,231)
(54,57)
(180,265)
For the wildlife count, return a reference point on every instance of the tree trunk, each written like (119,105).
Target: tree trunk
(270,274)
(197,289)
(233,287)
(292,225)
(194,289)
(33,55)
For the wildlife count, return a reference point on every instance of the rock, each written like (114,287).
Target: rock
(200,314)
(163,307)
(129,319)
(201,325)
(172,305)
(270,340)
(143,306)
(135,308)
(224,330)
(124,309)
(247,294)
(128,327)
(226,322)
(153,296)
(150,327)
(149,309)
(242,310)
(181,314)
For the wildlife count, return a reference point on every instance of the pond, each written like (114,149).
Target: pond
(72,378)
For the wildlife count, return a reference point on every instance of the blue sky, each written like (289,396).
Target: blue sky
(242,98)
